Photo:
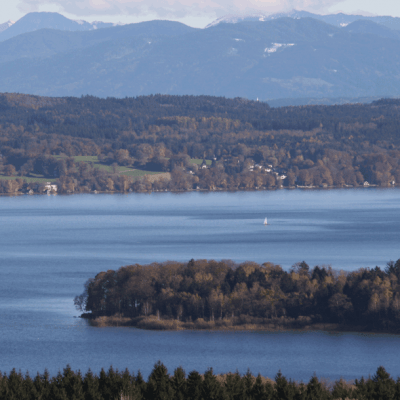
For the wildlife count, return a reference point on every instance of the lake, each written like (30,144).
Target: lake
(50,245)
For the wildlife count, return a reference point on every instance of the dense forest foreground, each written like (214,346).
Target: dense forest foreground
(178,143)
(115,385)
(223,295)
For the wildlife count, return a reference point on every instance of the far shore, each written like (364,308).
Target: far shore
(314,188)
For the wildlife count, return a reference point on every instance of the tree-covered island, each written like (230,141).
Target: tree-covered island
(181,143)
(212,294)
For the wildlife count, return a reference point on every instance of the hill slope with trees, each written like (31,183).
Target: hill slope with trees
(87,144)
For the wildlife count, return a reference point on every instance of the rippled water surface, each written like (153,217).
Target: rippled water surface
(50,245)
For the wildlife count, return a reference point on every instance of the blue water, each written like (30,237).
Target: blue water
(50,245)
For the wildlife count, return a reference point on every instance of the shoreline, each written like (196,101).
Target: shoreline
(314,188)
(153,323)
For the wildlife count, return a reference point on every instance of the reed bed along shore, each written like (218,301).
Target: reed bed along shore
(243,323)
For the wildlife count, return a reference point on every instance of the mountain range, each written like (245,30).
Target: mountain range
(46,20)
(296,57)
(340,19)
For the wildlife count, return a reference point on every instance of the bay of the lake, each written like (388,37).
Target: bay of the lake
(50,245)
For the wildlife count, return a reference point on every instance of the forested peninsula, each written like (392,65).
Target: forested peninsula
(180,143)
(123,385)
(208,294)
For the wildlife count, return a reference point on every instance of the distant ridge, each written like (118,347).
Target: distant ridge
(46,20)
(367,27)
(282,58)
(339,20)
(323,101)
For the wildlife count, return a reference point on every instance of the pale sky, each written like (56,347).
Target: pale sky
(197,13)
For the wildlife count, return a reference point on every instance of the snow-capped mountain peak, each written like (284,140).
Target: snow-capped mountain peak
(6,25)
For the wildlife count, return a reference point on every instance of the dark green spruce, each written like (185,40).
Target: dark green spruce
(116,385)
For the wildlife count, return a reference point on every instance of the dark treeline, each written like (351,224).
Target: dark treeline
(213,294)
(115,385)
(251,145)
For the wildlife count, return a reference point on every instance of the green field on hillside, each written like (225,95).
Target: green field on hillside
(198,161)
(29,179)
(123,170)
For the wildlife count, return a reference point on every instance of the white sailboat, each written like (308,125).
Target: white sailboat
(265,221)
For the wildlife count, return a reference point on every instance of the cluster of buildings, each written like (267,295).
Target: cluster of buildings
(48,187)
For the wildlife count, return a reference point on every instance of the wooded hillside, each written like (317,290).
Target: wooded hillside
(86,144)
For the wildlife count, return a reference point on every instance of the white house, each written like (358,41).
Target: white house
(203,165)
(48,187)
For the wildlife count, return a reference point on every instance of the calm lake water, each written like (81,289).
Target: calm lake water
(50,245)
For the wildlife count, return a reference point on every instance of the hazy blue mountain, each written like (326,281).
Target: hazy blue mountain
(344,19)
(371,28)
(326,101)
(45,42)
(339,20)
(48,20)
(281,58)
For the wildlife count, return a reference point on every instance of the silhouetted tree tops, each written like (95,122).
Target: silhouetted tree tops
(213,294)
(116,385)
(250,144)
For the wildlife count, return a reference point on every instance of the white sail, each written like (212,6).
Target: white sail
(265,221)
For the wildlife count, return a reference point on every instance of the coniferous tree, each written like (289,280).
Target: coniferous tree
(179,383)
(128,387)
(194,386)
(211,388)
(284,390)
(140,386)
(159,385)
(397,391)
(384,385)
(301,392)
(29,388)
(114,383)
(315,390)
(248,382)
(91,386)
(4,391)
(45,384)
(259,390)
(15,384)
(234,386)
(104,388)
(38,386)
(57,391)
(3,386)
(72,384)
(361,388)
(341,391)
